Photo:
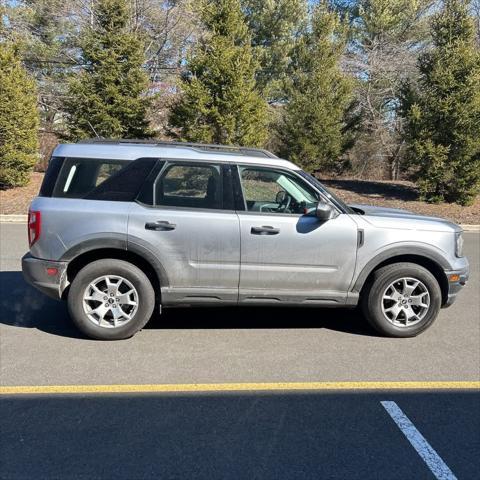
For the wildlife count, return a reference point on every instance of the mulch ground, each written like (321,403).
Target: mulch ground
(398,194)
(17,200)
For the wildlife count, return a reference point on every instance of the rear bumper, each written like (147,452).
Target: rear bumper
(35,273)
(454,287)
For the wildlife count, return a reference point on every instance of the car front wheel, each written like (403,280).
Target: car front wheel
(110,299)
(402,300)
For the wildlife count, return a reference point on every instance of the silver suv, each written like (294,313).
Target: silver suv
(121,228)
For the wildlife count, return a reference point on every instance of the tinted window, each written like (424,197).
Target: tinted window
(102,179)
(145,194)
(275,191)
(188,185)
(51,175)
(124,184)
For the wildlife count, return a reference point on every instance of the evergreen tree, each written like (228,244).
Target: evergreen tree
(108,98)
(315,128)
(18,119)
(275,26)
(220,103)
(386,37)
(47,28)
(443,116)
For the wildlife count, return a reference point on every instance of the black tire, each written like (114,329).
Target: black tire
(126,270)
(371,301)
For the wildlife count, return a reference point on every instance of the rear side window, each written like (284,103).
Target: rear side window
(51,175)
(125,184)
(93,179)
(193,186)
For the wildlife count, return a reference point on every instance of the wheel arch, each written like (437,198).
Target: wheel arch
(153,271)
(433,265)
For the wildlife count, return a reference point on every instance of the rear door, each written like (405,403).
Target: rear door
(189,224)
(287,256)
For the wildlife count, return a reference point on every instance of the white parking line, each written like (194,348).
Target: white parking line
(438,467)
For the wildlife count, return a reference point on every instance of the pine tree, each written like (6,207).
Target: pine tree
(220,103)
(108,97)
(18,119)
(275,26)
(387,36)
(48,30)
(443,115)
(314,130)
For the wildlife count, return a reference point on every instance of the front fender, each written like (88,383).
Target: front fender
(411,249)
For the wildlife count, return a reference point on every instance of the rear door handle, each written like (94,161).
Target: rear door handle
(264,230)
(160,226)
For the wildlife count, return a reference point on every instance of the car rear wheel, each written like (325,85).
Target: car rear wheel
(110,299)
(402,300)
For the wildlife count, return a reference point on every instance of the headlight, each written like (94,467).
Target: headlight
(459,244)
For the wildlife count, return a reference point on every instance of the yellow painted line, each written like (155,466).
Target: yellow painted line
(235,387)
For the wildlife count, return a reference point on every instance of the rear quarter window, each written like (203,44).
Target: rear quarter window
(51,176)
(92,179)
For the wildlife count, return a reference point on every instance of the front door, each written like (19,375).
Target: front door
(287,256)
(193,231)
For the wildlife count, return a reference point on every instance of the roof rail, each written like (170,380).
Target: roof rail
(233,149)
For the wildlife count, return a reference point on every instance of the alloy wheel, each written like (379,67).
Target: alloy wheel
(405,302)
(110,301)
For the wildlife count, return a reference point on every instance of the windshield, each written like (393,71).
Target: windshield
(326,192)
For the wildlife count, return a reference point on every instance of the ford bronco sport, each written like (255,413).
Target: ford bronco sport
(121,228)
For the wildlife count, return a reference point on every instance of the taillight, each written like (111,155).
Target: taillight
(34,224)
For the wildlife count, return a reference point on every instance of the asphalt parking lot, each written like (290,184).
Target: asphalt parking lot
(39,346)
(235,436)
(250,434)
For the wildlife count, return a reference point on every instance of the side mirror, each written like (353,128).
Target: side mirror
(324,211)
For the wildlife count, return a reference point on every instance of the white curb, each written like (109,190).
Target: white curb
(13,218)
(471,228)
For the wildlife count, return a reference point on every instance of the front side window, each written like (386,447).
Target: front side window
(267,190)
(190,185)
(330,195)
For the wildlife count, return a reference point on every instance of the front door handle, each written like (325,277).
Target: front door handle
(160,226)
(264,230)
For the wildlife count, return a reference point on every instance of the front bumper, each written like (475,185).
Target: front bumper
(454,287)
(35,273)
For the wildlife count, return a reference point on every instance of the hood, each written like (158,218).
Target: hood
(404,219)
(371,210)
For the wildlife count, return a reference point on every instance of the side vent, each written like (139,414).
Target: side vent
(360,237)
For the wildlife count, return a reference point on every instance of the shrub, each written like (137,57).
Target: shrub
(18,120)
